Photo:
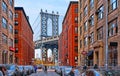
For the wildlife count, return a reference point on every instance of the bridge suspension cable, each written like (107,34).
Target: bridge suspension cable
(36,28)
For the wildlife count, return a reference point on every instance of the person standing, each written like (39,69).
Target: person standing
(72,72)
(95,66)
(61,74)
(45,68)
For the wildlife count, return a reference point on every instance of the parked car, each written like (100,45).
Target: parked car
(93,72)
(67,71)
(22,70)
(28,70)
(77,72)
(31,68)
(1,73)
(13,70)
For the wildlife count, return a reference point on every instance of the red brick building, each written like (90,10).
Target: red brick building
(6,31)
(98,23)
(68,42)
(24,48)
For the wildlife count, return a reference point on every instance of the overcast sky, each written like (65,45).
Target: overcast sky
(32,9)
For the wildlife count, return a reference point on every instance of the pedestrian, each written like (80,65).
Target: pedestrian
(85,67)
(45,68)
(72,72)
(95,66)
(61,74)
(35,67)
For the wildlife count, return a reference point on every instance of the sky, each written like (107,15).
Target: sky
(32,9)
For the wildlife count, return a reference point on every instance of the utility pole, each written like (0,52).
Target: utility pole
(106,38)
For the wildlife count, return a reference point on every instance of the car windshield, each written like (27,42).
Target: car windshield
(67,70)
(20,67)
(10,67)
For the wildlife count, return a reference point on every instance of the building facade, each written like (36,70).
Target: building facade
(24,48)
(69,36)
(98,24)
(6,31)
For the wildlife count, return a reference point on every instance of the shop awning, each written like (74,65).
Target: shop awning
(89,53)
(12,49)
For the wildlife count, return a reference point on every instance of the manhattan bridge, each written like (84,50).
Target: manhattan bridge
(47,41)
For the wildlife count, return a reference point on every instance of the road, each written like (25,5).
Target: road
(42,73)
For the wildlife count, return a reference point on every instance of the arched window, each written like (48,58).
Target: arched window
(4,57)
(11,58)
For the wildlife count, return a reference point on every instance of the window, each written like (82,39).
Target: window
(80,4)
(85,41)
(81,30)
(16,40)
(76,10)
(76,30)
(76,49)
(11,29)
(85,11)
(16,60)
(112,5)
(76,19)
(4,23)
(4,57)
(16,22)
(80,17)
(16,15)
(16,50)
(113,56)
(112,28)
(85,26)
(10,15)
(76,39)
(4,39)
(11,2)
(80,43)
(16,31)
(91,4)
(11,42)
(100,33)
(11,58)
(100,12)
(4,7)
(91,37)
(91,20)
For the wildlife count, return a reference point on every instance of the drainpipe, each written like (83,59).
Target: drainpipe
(106,38)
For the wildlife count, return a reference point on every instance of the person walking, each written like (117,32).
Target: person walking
(46,69)
(35,68)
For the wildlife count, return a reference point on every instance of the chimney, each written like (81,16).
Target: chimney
(28,18)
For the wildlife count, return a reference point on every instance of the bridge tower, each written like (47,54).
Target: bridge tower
(44,19)
(44,34)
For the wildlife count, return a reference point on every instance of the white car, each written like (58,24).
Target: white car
(77,72)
